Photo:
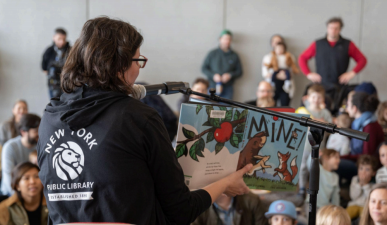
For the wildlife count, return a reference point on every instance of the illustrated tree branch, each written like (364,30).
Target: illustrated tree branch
(233,123)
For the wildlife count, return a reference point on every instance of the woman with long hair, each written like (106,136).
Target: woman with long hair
(27,205)
(9,128)
(375,209)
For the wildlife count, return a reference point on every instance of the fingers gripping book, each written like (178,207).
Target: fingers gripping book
(215,141)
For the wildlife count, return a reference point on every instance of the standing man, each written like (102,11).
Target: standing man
(222,66)
(53,61)
(332,58)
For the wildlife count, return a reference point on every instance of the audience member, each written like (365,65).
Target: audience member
(362,106)
(333,54)
(314,104)
(361,184)
(18,149)
(242,209)
(278,66)
(33,157)
(332,214)
(282,212)
(375,209)
(264,95)
(382,117)
(329,181)
(222,66)
(53,61)
(337,141)
(28,204)
(9,129)
(381,175)
(200,85)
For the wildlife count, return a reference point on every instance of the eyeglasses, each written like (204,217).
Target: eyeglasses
(141,61)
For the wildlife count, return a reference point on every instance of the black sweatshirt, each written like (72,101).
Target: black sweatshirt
(107,157)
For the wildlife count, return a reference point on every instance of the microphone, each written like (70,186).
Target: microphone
(158,89)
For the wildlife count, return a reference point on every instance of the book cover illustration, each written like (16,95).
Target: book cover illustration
(214,141)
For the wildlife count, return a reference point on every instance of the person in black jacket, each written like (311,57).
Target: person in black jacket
(104,155)
(53,61)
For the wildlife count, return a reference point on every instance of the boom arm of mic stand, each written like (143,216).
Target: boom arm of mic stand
(305,121)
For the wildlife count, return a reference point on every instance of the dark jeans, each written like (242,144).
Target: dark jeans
(227,92)
(279,91)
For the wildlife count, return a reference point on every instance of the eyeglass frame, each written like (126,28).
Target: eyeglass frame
(145,59)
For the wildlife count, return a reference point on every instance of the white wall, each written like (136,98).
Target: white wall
(178,35)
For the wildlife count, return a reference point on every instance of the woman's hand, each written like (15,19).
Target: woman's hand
(231,185)
(236,184)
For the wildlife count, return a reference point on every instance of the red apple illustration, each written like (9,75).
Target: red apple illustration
(223,133)
(275,118)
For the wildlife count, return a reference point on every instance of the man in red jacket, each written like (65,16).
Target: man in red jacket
(332,54)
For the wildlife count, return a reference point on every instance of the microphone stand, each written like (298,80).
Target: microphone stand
(315,137)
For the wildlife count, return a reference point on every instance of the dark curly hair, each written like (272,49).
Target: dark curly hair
(365,102)
(101,55)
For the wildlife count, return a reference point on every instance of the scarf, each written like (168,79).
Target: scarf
(358,124)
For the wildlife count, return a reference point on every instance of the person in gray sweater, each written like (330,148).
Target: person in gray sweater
(17,149)
(8,129)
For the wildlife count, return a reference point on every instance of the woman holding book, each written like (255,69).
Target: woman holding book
(107,153)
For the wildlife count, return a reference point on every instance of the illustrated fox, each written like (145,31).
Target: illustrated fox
(282,170)
(260,165)
(252,149)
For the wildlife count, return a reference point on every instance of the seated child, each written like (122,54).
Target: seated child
(33,157)
(332,214)
(281,63)
(381,175)
(314,104)
(329,181)
(337,141)
(361,184)
(282,212)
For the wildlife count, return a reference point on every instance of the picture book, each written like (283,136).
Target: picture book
(215,141)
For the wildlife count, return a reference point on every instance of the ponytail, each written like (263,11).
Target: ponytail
(365,102)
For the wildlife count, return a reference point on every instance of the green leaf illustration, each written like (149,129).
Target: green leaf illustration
(222,108)
(188,133)
(198,108)
(218,147)
(234,140)
(243,114)
(236,115)
(180,150)
(240,137)
(215,122)
(240,128)
(207,123)
(210,136)
(228,116)
(208,109)
(192,153)
(197,149)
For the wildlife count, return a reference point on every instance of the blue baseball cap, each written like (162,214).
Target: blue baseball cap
(367,87)
(282,207)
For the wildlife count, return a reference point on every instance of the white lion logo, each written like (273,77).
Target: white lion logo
(68,161)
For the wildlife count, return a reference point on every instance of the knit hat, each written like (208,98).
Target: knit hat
(367,87)
(225,31)
(282,207)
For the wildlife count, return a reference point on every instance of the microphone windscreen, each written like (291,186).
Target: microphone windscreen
(139,90)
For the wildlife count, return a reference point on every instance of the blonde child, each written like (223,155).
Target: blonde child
(382,117)
(329,181)
(314,104)
(332,214)
(361,185)
(340,142)
(381,175)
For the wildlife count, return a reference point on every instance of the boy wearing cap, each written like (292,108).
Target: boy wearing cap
(282,212)
(222,66)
